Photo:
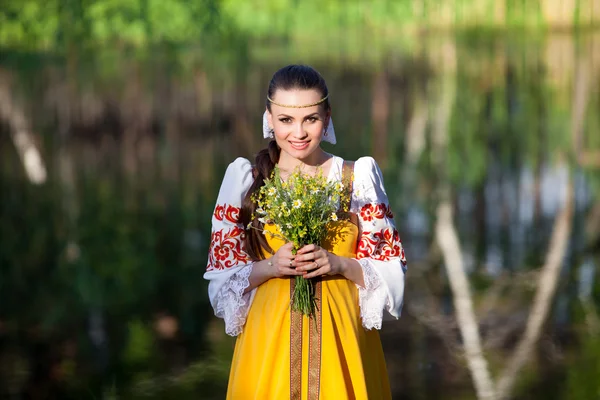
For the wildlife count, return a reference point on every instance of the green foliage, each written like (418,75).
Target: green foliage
(582,376)
(56,25)
(29,23)
(138,349)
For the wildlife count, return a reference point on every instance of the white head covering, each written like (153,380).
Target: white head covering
(329,137)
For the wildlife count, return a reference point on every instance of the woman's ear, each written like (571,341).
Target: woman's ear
(327,118)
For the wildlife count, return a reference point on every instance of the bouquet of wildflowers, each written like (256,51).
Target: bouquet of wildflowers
(301,208)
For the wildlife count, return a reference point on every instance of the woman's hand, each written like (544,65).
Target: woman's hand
(282,262)
(312,260)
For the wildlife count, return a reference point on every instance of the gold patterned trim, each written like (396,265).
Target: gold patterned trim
(298,106)
(295,349)
(346,200)
(314,346)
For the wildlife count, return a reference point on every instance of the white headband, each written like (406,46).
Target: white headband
(328,136)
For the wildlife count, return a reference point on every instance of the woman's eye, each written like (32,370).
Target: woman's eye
(312,119)
(285,120)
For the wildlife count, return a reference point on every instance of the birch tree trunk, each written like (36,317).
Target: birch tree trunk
(447,236)
(543,298)
(21,134)
(380,112)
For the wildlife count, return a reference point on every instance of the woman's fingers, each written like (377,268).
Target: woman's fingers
(320,261)
(309,266)
(309,248)
(284,267)
(311,256)
(283,271)
(321,271)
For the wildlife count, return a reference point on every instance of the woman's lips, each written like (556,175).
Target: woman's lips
(299,145)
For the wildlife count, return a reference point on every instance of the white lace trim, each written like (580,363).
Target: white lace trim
(372,298)
(232,304)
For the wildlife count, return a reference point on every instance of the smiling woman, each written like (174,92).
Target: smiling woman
(281,353)
(298,130)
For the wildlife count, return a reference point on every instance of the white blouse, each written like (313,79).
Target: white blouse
(379,251)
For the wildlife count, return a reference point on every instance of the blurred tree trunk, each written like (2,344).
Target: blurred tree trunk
(415,132)
(557,247)
(380,111)
(559,13)
(22,137)
(584,79)
(500,13)
(446,235)
(542,302)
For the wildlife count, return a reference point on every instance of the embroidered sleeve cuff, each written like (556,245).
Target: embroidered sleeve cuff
(373,296)
(232,304)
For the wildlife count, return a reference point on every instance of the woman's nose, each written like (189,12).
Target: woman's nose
(299,131)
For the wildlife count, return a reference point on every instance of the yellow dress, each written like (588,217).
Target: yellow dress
(284,355)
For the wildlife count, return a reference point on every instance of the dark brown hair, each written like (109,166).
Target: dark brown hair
(287,78)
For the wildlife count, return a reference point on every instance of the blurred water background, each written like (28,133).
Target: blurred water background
(118,119)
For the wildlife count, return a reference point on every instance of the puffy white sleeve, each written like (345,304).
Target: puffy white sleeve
(379,251)
(229,266)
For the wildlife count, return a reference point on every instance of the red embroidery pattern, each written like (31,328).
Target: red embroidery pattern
(226,249)
(381,245)
(228,212)
(370,211)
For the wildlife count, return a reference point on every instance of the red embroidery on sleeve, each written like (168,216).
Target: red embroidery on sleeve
(226,249)
(388,212)
(232,214)
(371,211)
(228,212)
(219,212)
(381,245)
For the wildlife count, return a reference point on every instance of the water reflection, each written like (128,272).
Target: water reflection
(101,265)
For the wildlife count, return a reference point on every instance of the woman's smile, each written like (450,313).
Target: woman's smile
(299,145)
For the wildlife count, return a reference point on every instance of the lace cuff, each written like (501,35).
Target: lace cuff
(372,298)
(232,304)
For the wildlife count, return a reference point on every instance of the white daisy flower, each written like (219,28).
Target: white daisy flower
(272,191)
(297,203)
(334,217)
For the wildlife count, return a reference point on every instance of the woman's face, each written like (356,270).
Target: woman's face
(298,131)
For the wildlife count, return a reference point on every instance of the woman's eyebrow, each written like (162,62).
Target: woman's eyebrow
(312,115)
(306,116)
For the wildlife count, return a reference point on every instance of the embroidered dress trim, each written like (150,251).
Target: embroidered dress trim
(314,345)
(295,349)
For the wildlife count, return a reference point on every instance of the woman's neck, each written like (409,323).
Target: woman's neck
(311,164)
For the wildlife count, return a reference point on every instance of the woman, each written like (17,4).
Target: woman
(279,353)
